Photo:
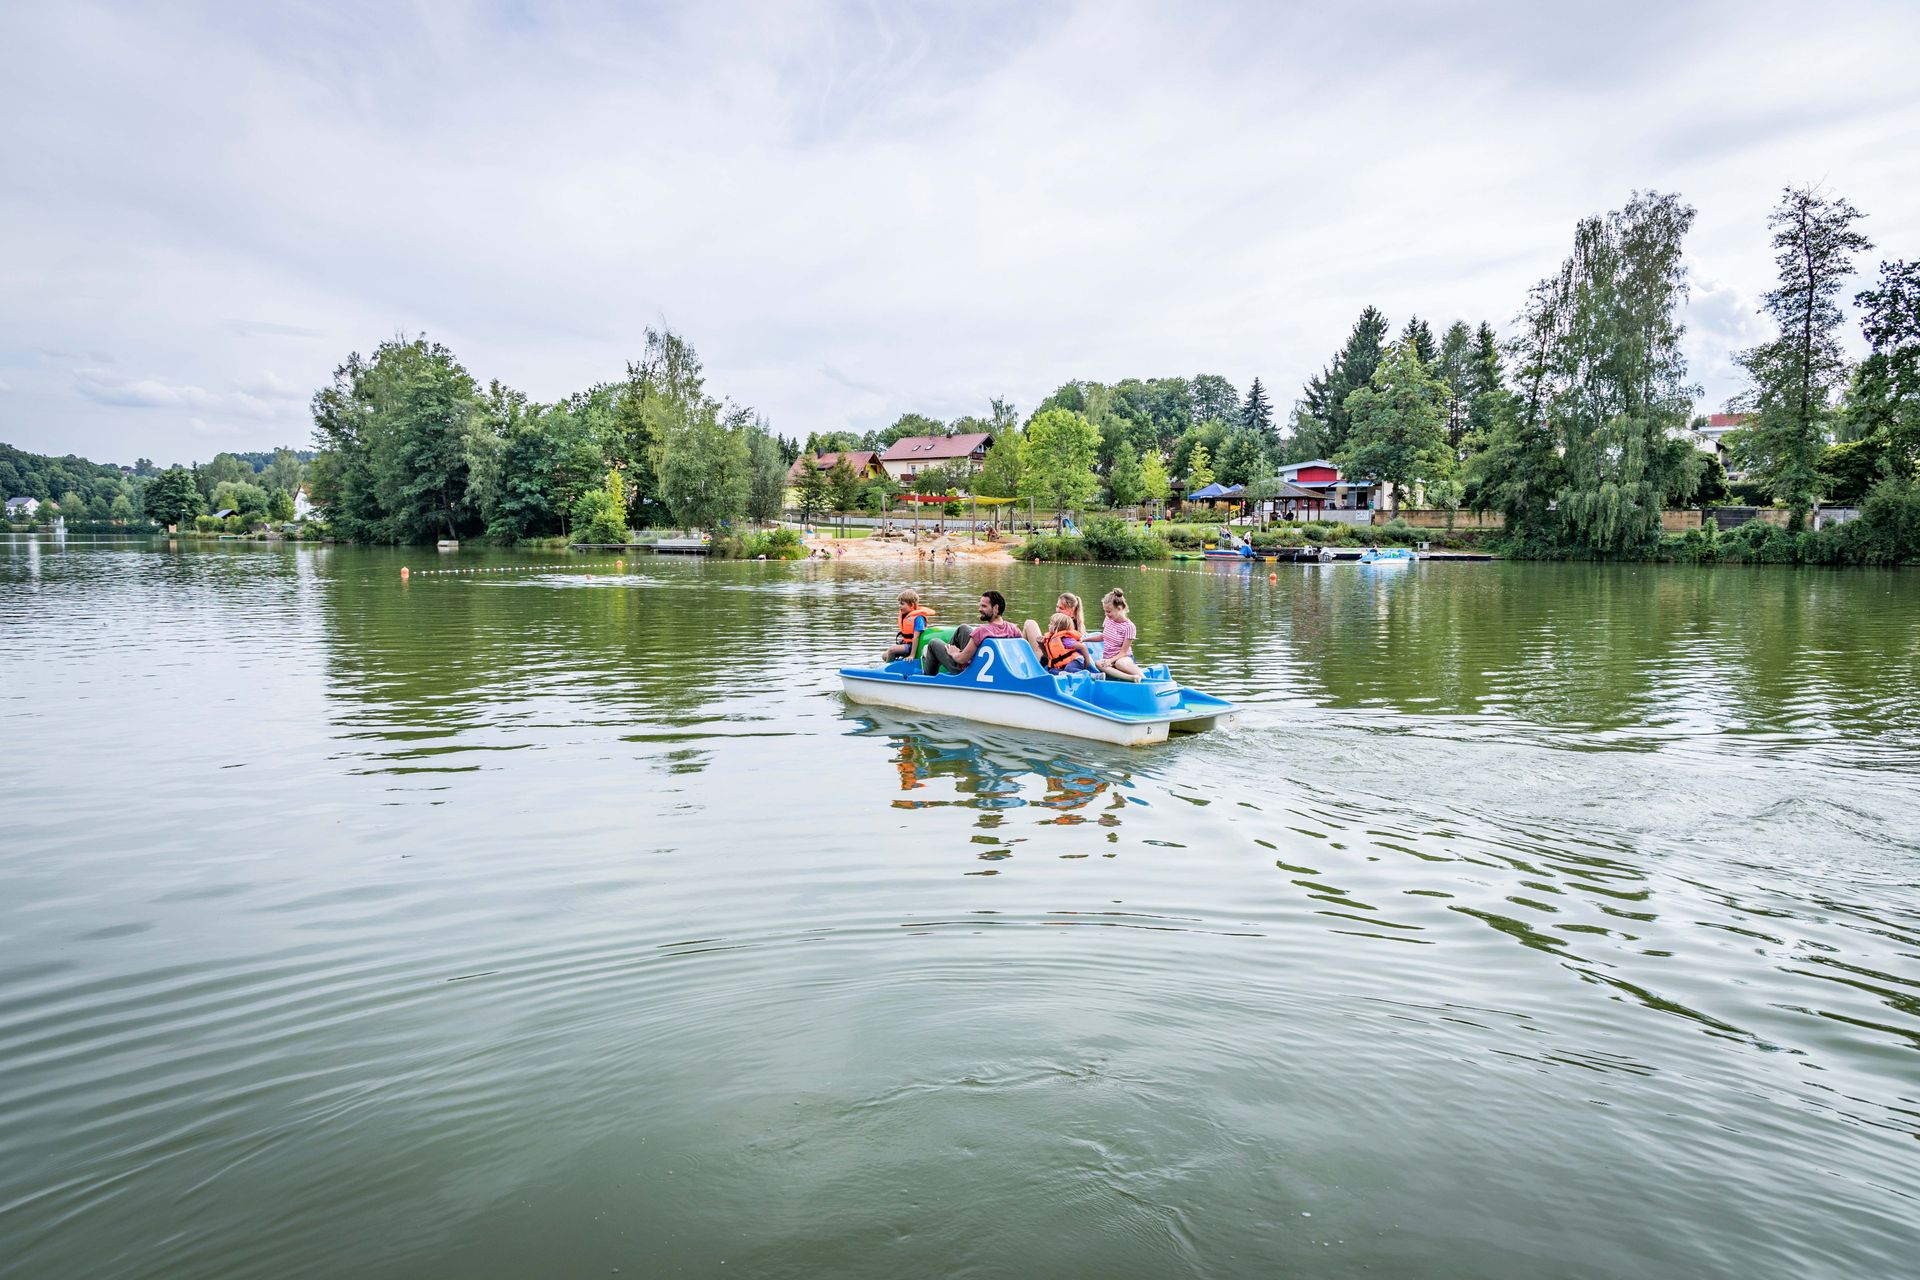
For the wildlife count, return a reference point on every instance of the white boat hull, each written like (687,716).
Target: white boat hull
(1015,710)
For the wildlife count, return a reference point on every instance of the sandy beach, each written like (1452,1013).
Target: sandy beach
(930,546)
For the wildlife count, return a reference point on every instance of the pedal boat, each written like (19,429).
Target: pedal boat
(1006,685)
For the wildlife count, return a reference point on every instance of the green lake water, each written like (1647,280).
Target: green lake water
(1536,920)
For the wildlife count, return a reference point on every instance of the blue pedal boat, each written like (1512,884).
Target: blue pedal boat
(1006,685)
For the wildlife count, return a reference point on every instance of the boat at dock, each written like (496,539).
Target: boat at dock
(1006,685)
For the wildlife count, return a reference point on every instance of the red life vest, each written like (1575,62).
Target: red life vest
(908,632)
(1060,649)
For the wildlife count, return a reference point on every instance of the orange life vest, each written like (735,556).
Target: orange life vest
(908,632)
(1058,649)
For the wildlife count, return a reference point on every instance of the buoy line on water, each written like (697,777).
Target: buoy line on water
(407,573)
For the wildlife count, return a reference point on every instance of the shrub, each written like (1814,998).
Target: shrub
(1110,539)
(600,515)
(1054,547)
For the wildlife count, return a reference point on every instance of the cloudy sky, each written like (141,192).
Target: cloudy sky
(857,210)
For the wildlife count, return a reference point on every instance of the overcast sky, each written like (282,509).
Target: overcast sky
(854,210)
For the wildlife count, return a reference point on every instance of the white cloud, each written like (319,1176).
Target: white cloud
(853,212)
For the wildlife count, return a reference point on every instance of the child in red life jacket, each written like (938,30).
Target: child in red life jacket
(914,617)
(1063,649)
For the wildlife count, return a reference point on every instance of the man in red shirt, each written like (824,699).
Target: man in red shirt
(938,655)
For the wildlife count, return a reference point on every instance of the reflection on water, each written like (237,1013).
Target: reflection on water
(1535,920)
(992,776)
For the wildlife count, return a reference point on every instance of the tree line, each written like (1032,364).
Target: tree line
(412,448)
(255,485)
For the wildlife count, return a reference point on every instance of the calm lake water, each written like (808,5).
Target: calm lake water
(1537,920)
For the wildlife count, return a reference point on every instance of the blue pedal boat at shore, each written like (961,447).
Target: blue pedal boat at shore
(1007,685)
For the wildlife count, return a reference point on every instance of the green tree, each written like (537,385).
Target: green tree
(1453,366)
(285,471)
(1125,481)
(1488,400)
(1351,370)
(223,469)
(1199,468)
(600,515)
(172,497)
(812,492)
(245,499)
(1420,335)
(1058,459)
(843,485)
(1243,456)
(664,391)
(1214,397)
(1257,415)
(1399,425)
(766,493)
(1885,399)
(1848,471)
(1713,480)
(1792,379)
(397,428)
(121,509)
(1000,475)
(909,424)
(1154,484)
(1587,459)
(73,505)
(279,505)
(705,473)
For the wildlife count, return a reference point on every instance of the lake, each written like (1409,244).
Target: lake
(1536,920)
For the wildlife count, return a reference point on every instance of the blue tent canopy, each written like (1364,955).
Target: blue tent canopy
(1216,491)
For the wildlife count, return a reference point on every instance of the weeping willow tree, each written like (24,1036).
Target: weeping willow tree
(1586,459)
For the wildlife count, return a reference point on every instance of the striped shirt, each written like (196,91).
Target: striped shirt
(1117,632)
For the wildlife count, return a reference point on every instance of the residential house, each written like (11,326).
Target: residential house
(302,503)
(905,457)
(1711,435)
(22,508)
(865,464)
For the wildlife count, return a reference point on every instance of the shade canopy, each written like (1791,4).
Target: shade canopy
(1215,491)
(941,498)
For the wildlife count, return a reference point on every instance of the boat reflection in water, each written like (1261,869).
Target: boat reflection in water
(995,774)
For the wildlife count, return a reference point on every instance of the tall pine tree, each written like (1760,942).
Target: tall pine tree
(1353,369)
(1452,367)
(1258,412)
(1421,337)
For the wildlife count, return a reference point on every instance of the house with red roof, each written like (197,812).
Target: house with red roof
(865,464)
(905,457)
(1711,435)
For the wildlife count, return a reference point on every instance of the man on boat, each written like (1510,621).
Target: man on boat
(940,655)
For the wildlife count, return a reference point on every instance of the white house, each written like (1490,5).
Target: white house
(22,508)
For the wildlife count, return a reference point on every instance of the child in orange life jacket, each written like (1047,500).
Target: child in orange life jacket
(913,620)
(1062,648)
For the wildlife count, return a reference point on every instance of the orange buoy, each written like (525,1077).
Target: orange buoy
(403,571)
(1273,577)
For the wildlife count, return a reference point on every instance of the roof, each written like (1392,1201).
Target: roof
(935,448)
(858,459)
(1295,491)
(14,502)
(224,512)
(1725,421)
(1216,491)
(1317,462)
